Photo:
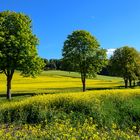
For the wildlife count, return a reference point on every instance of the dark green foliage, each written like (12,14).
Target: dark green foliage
(125,63)
(35,114)
(53,64)
(82,53)
(107,110)
(46,62)
(66,105)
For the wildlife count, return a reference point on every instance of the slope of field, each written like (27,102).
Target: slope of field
(56,82)
(102,112)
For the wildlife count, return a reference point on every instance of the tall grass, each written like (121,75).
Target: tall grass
(96,114)
(119,106)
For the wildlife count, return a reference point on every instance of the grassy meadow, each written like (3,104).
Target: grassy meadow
(57,82)
(53,107)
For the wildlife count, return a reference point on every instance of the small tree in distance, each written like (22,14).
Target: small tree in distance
(17,47)
(82,52)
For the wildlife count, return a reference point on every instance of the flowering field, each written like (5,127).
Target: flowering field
(99,113)
(56,82)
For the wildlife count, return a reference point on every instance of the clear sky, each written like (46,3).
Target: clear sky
(114,23)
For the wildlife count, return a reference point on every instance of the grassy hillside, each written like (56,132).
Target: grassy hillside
(56,82)
(102,112)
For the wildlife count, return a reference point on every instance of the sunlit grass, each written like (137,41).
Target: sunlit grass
(102,112)
(57,82)
(105,114)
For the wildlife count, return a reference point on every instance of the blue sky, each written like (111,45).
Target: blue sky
(114,23)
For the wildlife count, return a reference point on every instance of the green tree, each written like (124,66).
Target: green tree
(46,62)
(65,65)
(52,64)
(138,68)
(81,50)
(17,47)
(124,63)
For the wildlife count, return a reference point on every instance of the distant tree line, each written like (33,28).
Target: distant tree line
(57,64)
(52,64)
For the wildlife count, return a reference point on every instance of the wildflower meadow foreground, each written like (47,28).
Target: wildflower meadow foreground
(95,115)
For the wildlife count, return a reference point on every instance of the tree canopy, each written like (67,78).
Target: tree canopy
(83,53)
(18,47)
(124,63)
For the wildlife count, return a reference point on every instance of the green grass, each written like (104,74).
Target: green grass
(105,114)
(61,73)
(56,82)
(104,111)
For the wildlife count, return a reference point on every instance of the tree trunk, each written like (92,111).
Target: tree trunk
(84,84)
(126,83)
(9,87)
(9,75)
(134,83)
(130,82)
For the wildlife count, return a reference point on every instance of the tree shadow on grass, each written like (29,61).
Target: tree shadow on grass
(59,90)
(106,88)
(77,89)
(18,94)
